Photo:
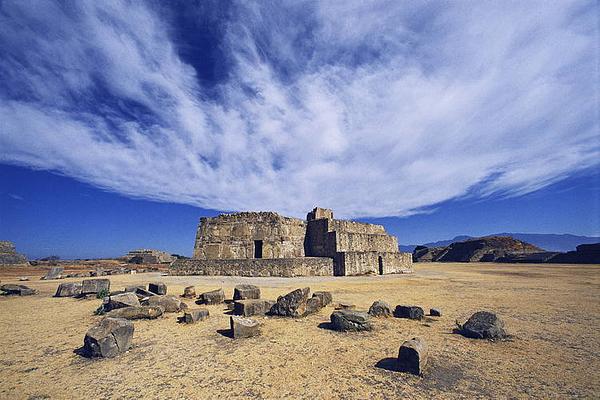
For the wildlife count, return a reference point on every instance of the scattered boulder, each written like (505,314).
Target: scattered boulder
(95,286)
(212,297)
(245,292)
(410,312)
(157,288)
(380,309)
(412,356)
(137,312)
(242,327)
(71,289)
(326,297)
(250,307)
(350,320)
(345,306)
(23,278)
(54,273)
(292,304)
(435,312)
(313,305)
(17,290)
(120,301)
(189,292)
(109,338)
(483,325)
(193,316)
(168,303)
(133,289)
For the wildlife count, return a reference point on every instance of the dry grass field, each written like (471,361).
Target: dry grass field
(552,311)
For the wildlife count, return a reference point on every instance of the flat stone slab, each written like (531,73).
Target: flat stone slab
(250,307)
(245,292)
(350,320)
(111,337)
(213,297)
(157,288)
(137,312)
(242,327)
(167,302)
(120,301)
(17,290)
(410,312)
(71,289)
(193,316)
(413,356)
(94,286)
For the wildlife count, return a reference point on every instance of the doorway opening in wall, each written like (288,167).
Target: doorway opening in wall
(380,259)
(258,248)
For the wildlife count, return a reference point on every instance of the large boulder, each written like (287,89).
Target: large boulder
(213,297)
(250,307)
(137,312)
(292,304)
(120,301)
(157,288)
(193,316)
(483,325)
(412,356)
(71,289)
(326,297)
(54,273)
(17,290)
(380,309)
(109,338)
(410,312)
(189,292)
(350,320)
(245,292)
(168,303)
(95,286)
(242,327)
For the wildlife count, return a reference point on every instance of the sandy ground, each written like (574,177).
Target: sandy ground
(553,312)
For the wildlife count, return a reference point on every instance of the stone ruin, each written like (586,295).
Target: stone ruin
(9,255)
(268,244)
(148,256)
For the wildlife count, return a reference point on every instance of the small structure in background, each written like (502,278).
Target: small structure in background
(9,255)
(149,256)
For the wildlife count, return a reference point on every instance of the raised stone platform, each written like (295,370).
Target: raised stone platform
(284,267)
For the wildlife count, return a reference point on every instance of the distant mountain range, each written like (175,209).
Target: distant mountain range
(546,241)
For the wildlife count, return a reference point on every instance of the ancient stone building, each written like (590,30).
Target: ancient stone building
(9,255)
(268,244)
(148,256)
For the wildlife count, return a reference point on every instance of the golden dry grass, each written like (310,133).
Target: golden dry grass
(553,311)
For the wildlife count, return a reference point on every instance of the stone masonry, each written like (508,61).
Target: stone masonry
(9,255)
(267,244)
(148,256)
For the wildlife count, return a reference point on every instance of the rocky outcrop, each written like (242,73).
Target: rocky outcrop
(9,255)
(350,320)
(485,249)
(109,338)
(483,325)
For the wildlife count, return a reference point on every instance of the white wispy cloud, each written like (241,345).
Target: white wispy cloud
(370,108)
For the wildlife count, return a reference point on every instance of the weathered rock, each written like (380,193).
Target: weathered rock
(435,312)
(133,289)
(157,288)
(212,297)
(250,307)
(109,338)
(71,289)
(54,273)
(410,312)
(137,312)
(412,356)
(94,286)
(120,301)
(350,320)
(326,297)
(189,292)
(292,304)
(23,278)
(313,305)
(243,327)
(193,316)
(169,303)
(142,293)
(17,290)
(345,306)
(484,325)
(244,292)
(380,309)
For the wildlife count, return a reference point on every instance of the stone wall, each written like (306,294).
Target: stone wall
(372,263)
(285,267)
(9,255)
(234,236)
(149,256)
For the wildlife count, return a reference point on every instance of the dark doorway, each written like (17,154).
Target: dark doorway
(258,249)
(380,265)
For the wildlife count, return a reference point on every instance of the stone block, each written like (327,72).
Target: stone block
(292,304)
(94,286)
(72,289)
(196,315)
(109,338)
(410,312)
(137,312)
(157,288)
(17,290)
(168,303)
(212,297)
(251,307)
(242,327)
(380,309)
(350,320)
(326,297)
(435,312)
(412,356)
(120,301)
(244,292)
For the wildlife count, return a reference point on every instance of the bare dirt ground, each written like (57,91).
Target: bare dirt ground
(553,311)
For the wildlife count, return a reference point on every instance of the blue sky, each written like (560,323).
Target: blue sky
(123,122)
